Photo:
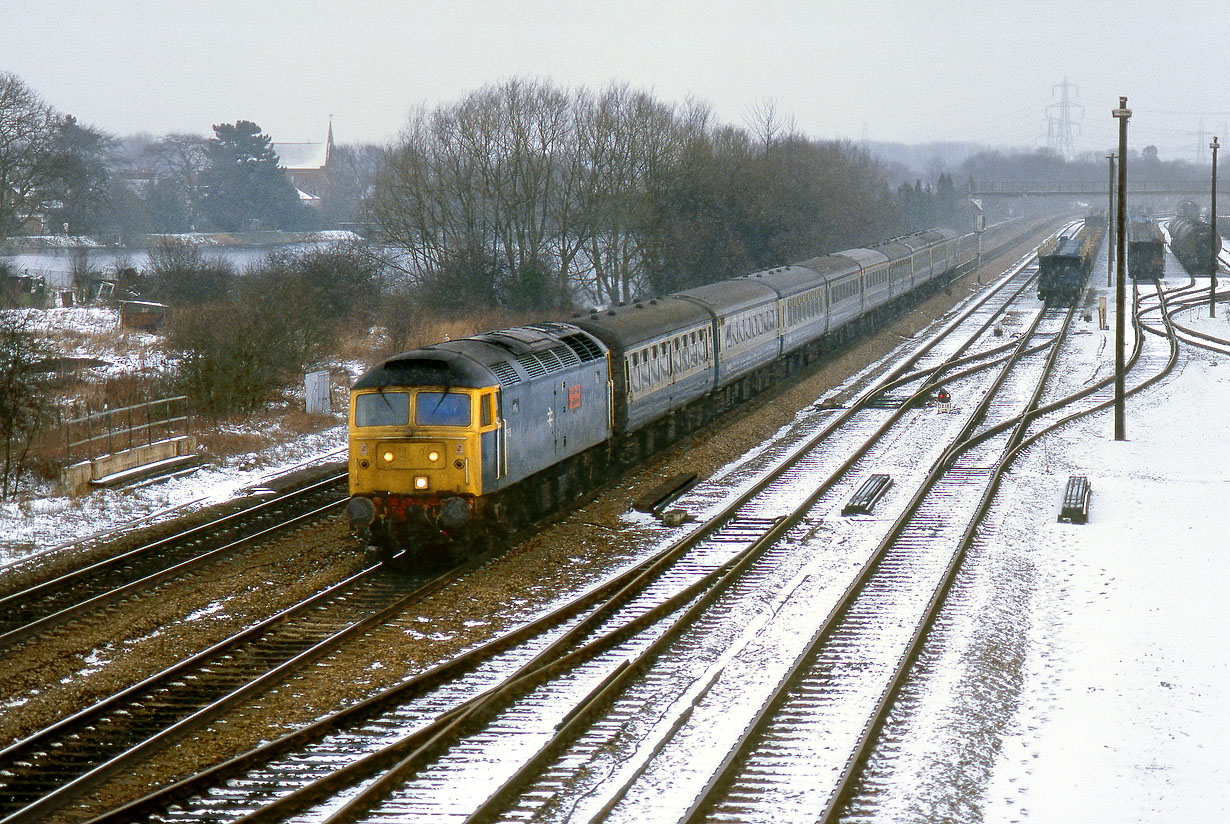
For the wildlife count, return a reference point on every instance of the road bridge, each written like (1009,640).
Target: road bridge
(1090,189)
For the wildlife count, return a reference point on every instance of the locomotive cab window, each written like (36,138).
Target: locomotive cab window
(382,409)
(486,410)
(442,409)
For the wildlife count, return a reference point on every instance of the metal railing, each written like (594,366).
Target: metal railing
(113,430)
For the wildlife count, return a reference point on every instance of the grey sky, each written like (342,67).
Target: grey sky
(980,70)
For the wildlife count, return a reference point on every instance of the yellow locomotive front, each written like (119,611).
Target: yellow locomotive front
(416,459)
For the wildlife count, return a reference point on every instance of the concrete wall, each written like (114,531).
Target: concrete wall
(78,478)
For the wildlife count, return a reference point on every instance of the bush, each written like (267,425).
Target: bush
(287,311)
(331,282)
(223,371)
(180,275)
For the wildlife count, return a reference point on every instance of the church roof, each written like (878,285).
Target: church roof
(298,156)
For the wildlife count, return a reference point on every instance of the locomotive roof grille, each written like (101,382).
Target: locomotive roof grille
(506,374)
(583,346)
(550,361)
(532,365)
(566,356)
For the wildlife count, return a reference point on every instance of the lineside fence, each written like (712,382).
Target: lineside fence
(102,447)
(115,430)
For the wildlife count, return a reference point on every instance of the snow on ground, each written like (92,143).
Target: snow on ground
(1121,704)
(95,332)
(48,520)
(1124,705)
(31,526)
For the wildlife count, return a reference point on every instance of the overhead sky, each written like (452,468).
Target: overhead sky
(942,70)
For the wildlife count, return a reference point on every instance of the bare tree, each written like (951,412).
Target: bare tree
(767,125)
(25,404)
(178,160)
(628,140)
(27,131)
(526,195)
(487,182)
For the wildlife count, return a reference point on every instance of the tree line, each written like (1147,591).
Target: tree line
(524,194)
(80,180)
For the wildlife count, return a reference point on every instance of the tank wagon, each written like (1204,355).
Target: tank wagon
(1145,248)
(1064,263)
(1193,240)
(457,439)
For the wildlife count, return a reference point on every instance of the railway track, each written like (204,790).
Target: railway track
(744,533)
(723,541)
(54,767)
(38,608)
(1195,296)
(785,715)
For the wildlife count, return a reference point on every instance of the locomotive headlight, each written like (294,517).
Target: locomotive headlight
(433,456)
(388,457)
(420,482)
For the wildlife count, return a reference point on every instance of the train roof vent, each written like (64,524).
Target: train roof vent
(507,375)
(550,360)
(566,356)
(532,365)
(584,346)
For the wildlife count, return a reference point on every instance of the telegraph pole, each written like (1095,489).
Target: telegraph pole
(1214,241)
(1110,218)
(1122,114)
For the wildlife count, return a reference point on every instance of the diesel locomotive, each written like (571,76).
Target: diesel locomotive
(490,432)
(1145,248)
(1065,260)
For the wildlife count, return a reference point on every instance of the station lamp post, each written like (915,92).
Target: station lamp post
(1214,241)
(1122,114)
